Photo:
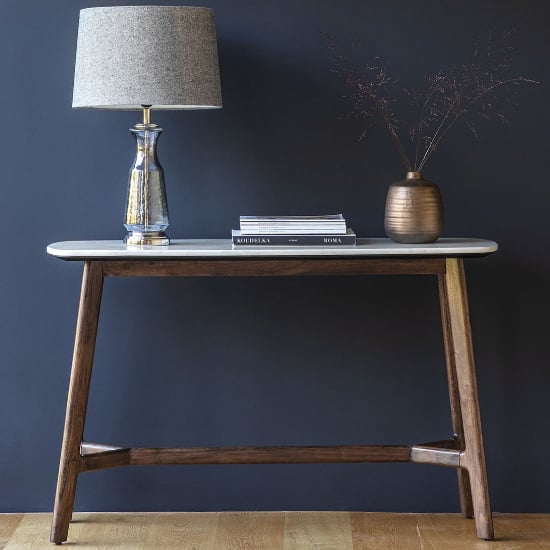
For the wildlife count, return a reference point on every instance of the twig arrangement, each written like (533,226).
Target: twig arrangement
(466,93)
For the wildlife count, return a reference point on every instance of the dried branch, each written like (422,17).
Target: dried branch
(370,94)
(466,93)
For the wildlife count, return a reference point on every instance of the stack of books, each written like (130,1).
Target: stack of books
(328,230)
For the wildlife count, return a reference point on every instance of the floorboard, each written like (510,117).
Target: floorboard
(276,531)
(8,524)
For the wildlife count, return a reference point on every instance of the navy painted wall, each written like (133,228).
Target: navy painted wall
(297,361)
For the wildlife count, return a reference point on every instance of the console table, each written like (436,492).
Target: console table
(199,258)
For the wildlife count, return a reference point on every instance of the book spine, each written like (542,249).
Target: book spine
(293,240)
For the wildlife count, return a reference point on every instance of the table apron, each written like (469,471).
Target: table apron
(272,267)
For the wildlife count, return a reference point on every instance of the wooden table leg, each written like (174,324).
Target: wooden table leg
(473,457)
(465,493)
(70,462)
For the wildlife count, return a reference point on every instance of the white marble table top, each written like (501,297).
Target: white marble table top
(223,248)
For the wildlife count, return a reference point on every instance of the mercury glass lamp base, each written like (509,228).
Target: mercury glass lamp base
(156,238)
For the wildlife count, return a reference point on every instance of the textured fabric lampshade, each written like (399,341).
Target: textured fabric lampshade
(163,56)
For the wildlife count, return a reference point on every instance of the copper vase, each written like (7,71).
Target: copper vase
(414,210)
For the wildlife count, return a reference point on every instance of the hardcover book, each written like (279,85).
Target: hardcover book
(240,239)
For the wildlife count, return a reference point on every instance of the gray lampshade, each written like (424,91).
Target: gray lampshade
(164,56)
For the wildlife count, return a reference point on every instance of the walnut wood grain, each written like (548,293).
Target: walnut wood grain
(274,267)
(246,455)
(473,456)
(464,491)
(271,455)
(81,371)
(107,459)
(96,456)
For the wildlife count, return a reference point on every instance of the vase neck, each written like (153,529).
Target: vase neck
(414,175)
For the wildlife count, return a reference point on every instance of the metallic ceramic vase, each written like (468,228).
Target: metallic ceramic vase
(414,211)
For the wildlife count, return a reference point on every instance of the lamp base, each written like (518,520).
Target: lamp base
(156,238)
(146,216)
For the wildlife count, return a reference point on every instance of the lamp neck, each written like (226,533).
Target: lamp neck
(146,114)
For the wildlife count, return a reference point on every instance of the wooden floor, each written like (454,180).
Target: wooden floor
(276,530)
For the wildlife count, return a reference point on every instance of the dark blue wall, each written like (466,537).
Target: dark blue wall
(298,361)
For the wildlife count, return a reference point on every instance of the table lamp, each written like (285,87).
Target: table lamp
(143,58)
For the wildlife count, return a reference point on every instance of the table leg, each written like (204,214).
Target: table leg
(473,456)
(70,462)
(465,493)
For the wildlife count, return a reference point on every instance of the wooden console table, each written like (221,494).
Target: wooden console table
(199,258)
